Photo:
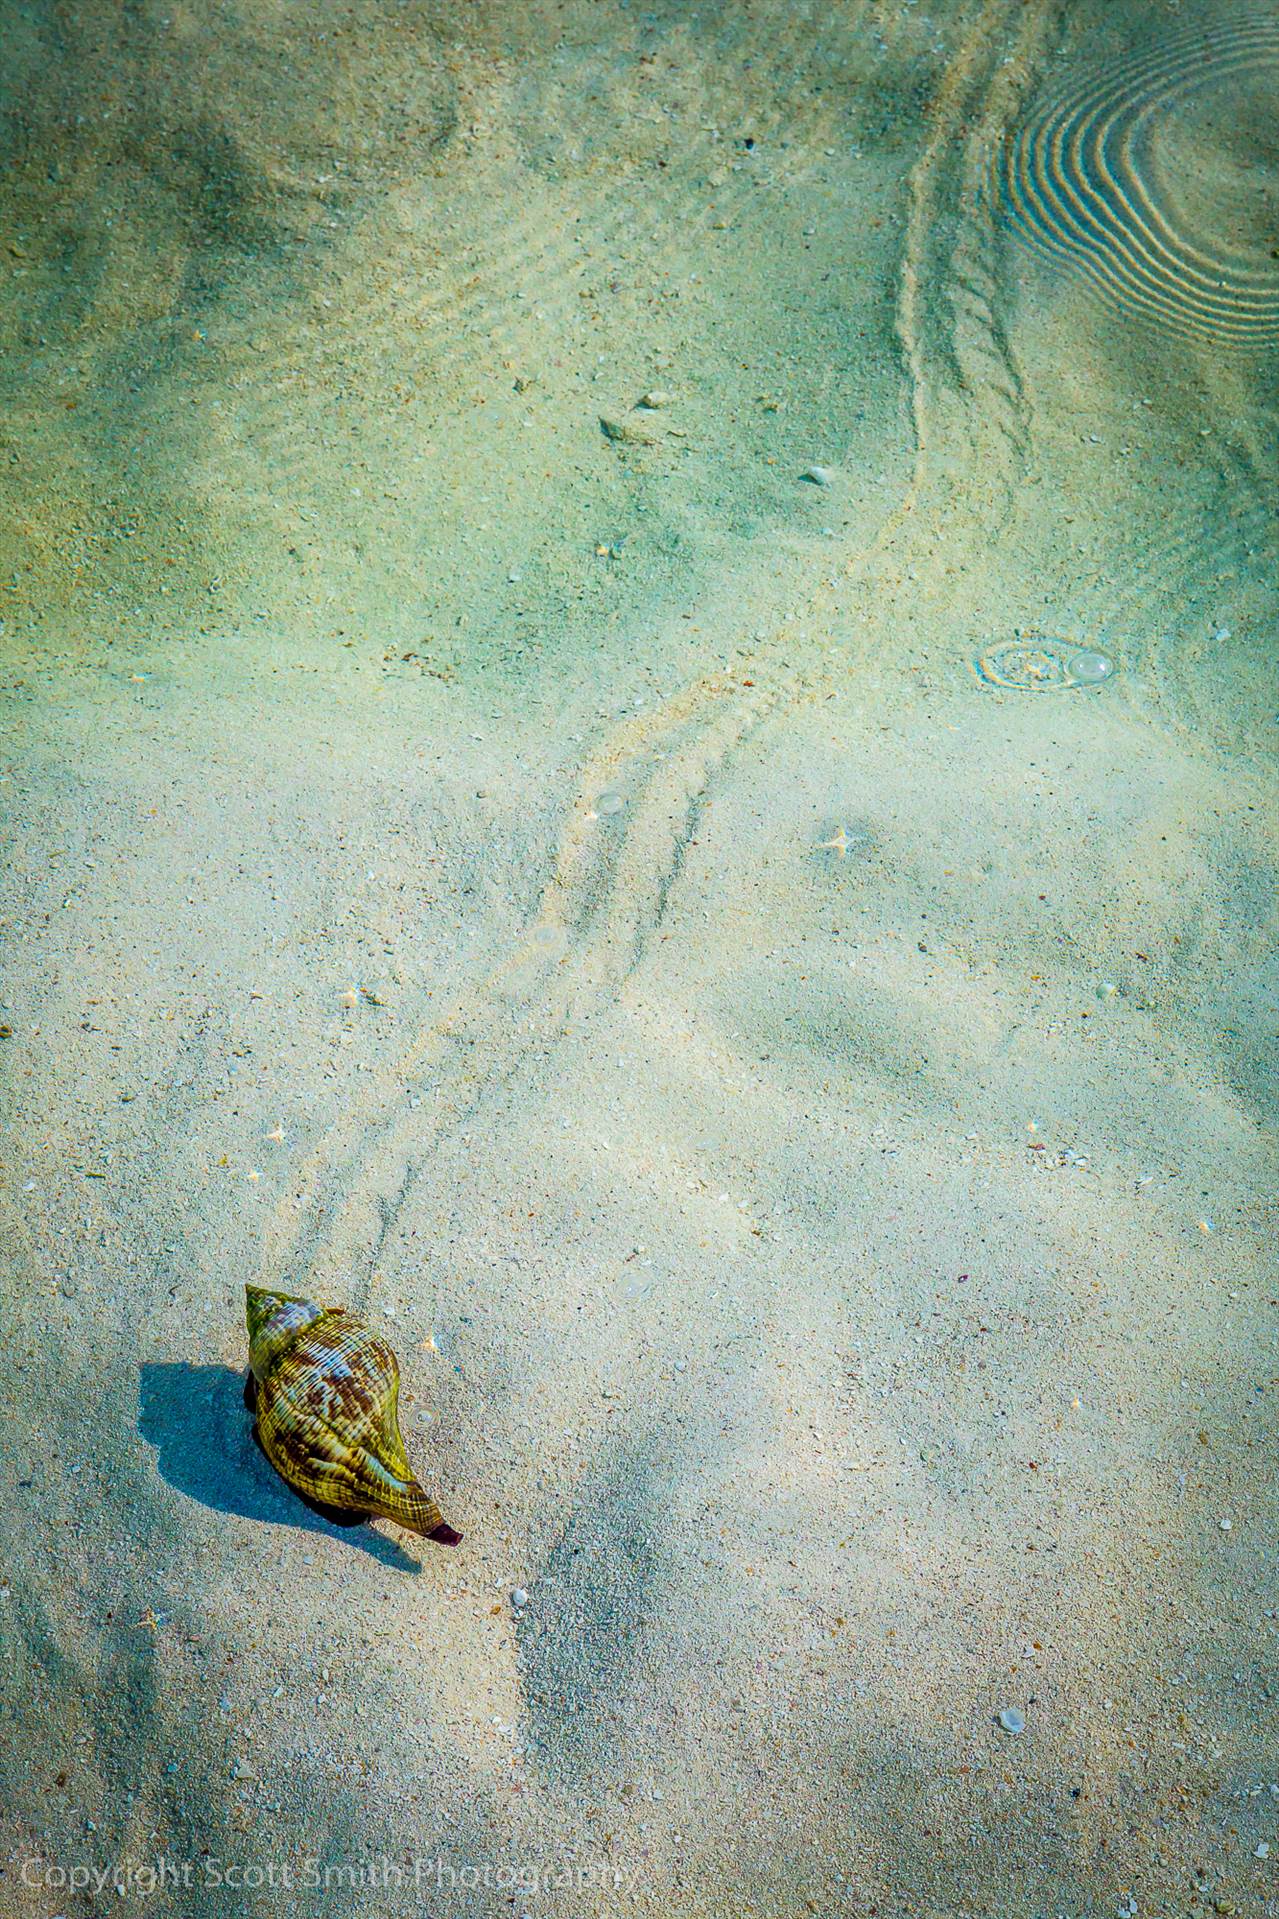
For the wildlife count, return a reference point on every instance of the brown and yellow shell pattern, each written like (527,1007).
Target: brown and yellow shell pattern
(325,1390)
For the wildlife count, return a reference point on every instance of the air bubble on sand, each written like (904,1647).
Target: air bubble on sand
(1089,667)
(608,803)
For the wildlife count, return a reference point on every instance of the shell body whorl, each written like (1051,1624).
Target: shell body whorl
(327,1397)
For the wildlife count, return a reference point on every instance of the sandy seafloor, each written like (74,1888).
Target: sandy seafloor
(803,1113)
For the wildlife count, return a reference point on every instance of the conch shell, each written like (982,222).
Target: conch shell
(324,1388)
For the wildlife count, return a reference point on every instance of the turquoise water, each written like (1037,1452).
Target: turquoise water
(639,715)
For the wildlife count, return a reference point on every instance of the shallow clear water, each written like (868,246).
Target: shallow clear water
(639,741)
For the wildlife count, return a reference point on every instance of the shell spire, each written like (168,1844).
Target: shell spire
(326,1390)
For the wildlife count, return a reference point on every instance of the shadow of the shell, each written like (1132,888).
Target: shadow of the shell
(195,1418)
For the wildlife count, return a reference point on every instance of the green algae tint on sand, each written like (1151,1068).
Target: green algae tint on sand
(613,912)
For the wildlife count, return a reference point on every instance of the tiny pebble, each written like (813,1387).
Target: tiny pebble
(628,429)
(1227,1525)
(609,802)
(1107,989)
(1011,1720)
(519,1598)
(1262,1851)
(818,475)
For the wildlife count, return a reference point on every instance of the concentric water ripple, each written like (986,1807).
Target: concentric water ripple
(1080,181)
(1042,663)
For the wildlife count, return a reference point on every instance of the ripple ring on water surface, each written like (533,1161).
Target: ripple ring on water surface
(1079,182)
(1039,663)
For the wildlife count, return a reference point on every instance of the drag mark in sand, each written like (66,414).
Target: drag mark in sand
(616,871)
(954,345)
(607,891)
